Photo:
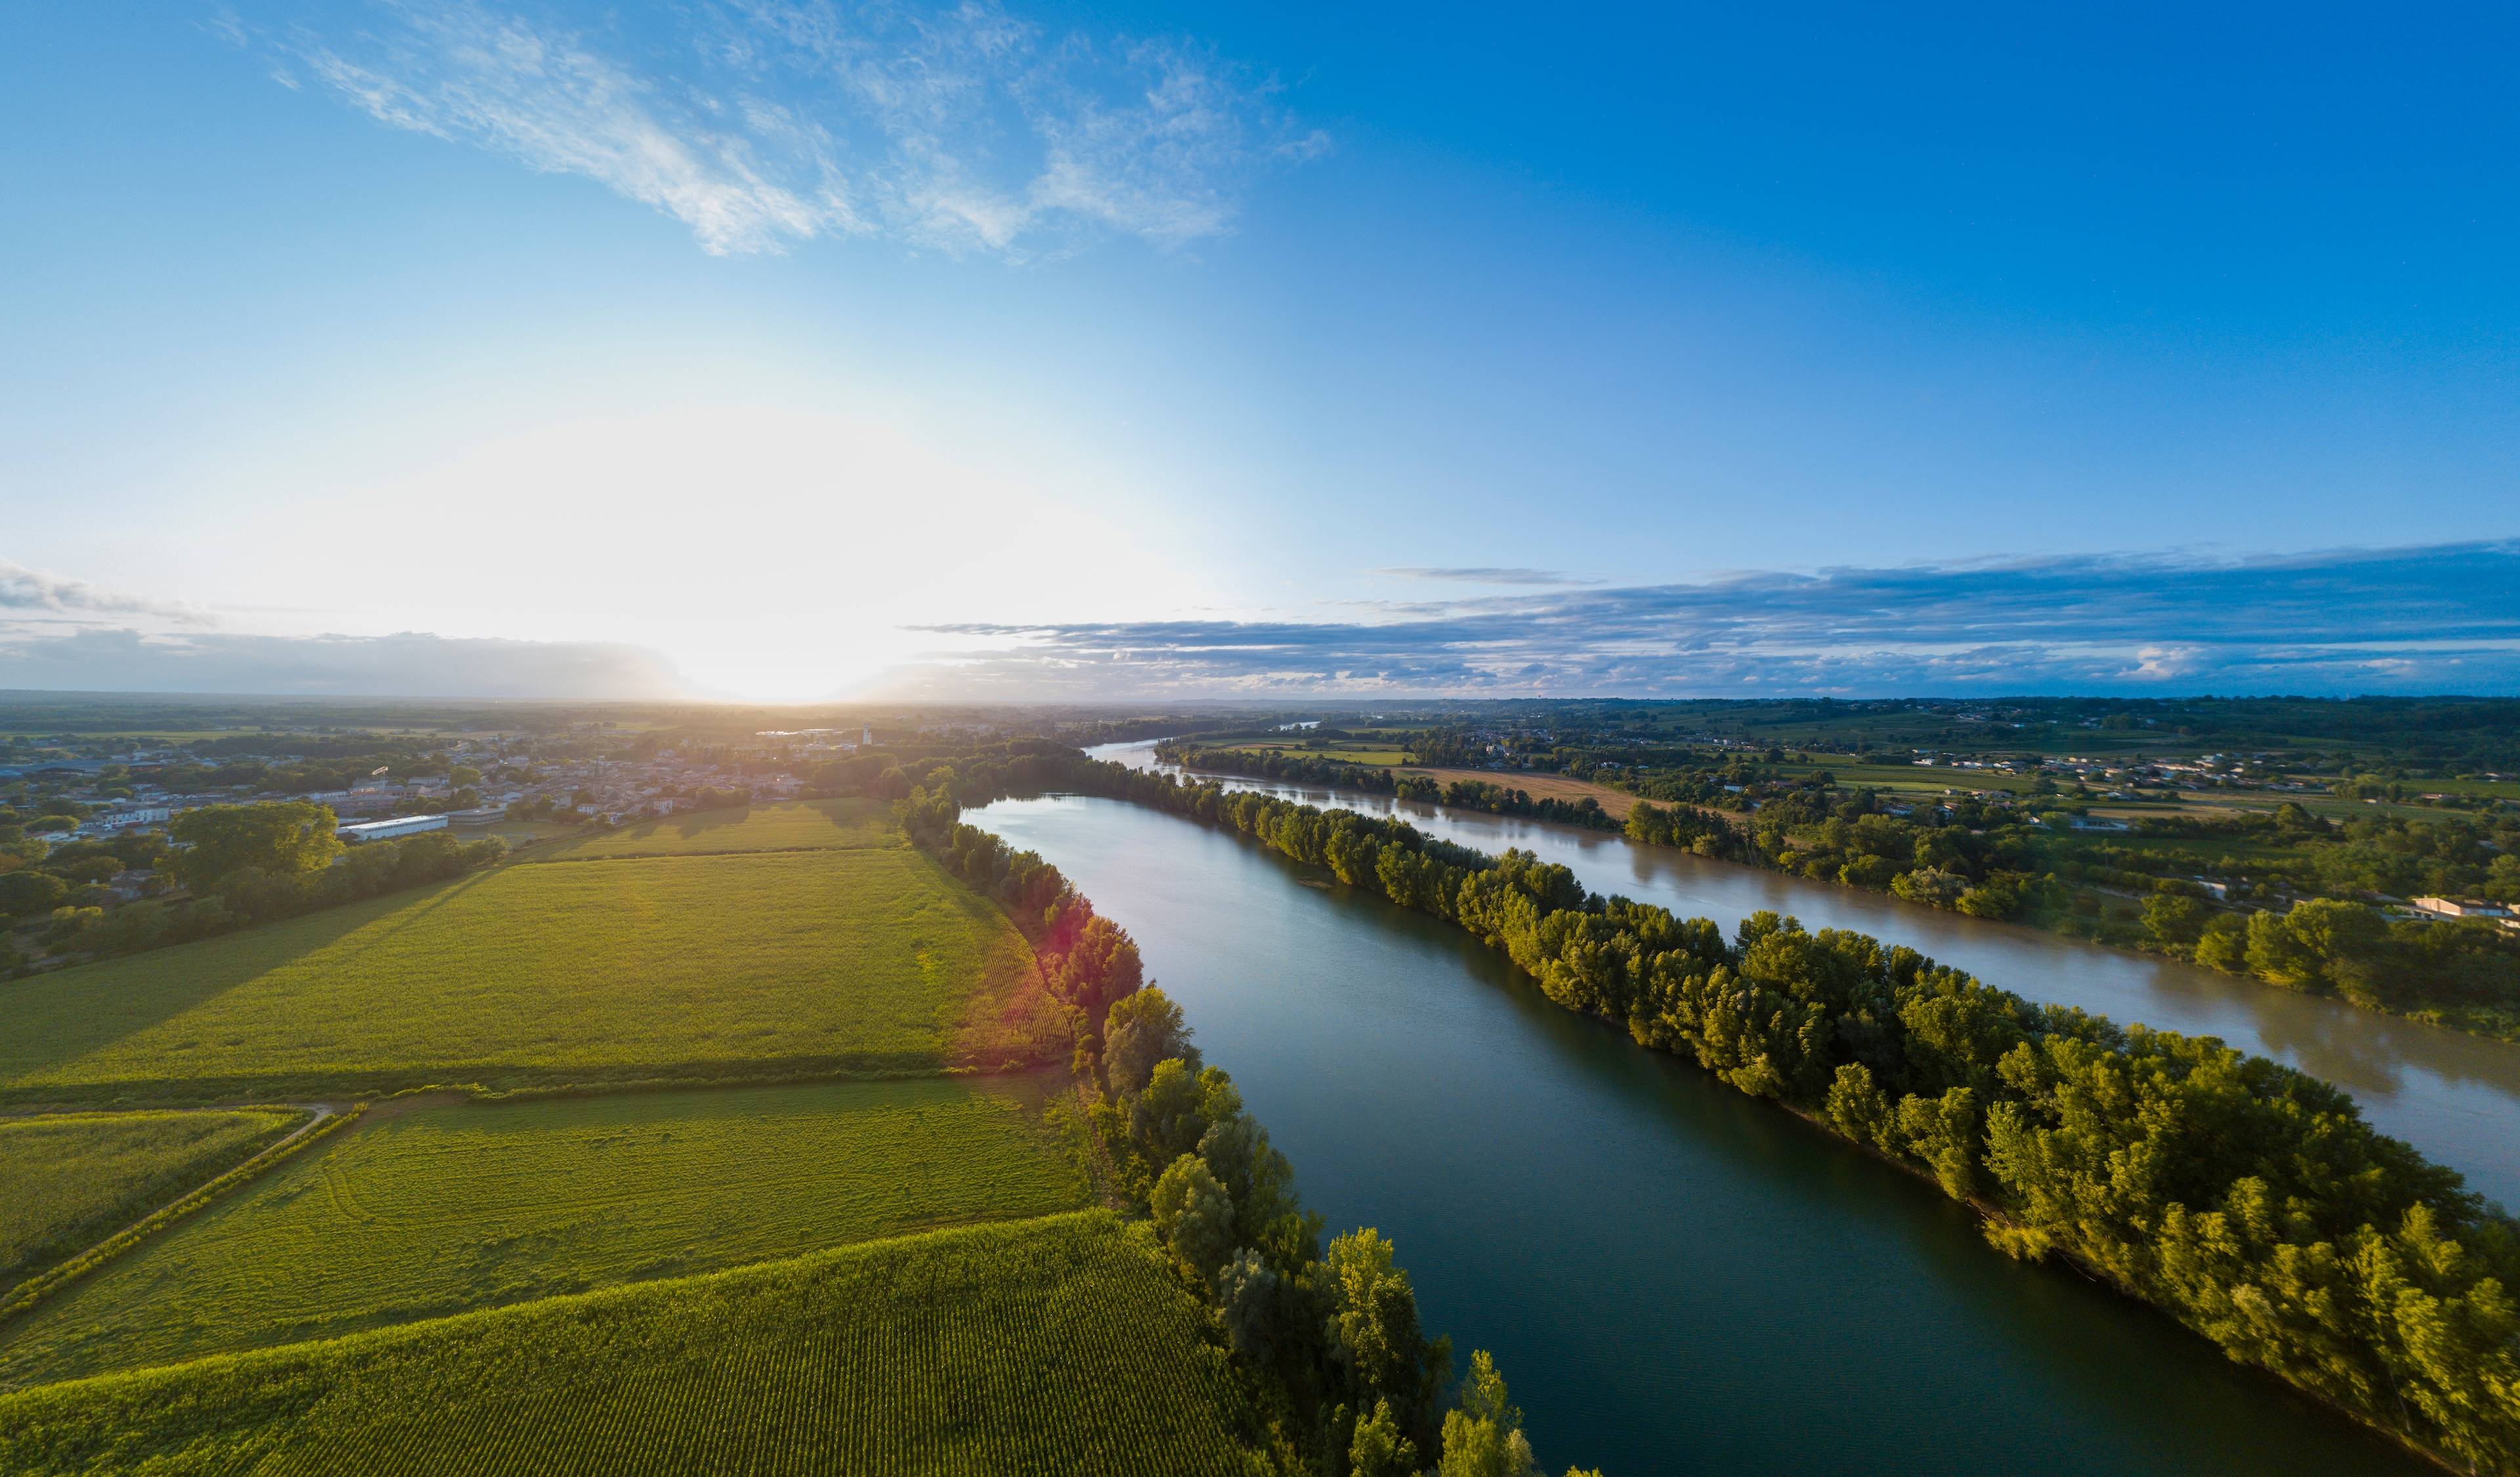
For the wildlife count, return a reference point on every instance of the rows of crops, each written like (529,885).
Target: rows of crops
(1056,1345)
(67,1180)
(473,1205)
(793,825)
(704,966)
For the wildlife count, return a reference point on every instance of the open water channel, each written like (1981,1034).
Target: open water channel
(1673,1276)
(2453,1096)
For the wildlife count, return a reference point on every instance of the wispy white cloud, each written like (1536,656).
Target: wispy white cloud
(760,124)
(467,76)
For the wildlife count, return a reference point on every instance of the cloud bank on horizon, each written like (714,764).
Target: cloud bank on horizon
(959,127)
(2437,619)
(404,664)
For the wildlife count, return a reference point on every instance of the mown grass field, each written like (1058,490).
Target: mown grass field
(1061,1345)
(796,826)
(70,1180)
(867,961)
(467,1205)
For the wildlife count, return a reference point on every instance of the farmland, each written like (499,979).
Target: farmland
(1381,753)
(868,961)
(467,1205)
(69,1180)
(1056,1345)
(1538,787)
(805,825)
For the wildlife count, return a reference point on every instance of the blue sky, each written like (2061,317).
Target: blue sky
(1029,349)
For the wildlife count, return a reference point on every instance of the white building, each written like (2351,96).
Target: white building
(2460,908)
(385,831)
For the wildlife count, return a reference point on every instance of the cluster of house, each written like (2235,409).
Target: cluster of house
(380,807)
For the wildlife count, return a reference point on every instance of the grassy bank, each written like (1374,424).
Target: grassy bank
(1056,1345)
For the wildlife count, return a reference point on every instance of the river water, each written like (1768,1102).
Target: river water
(1673,1276)
(2453,1096)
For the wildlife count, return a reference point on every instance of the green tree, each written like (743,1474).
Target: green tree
(1251,1298)
(89,869)
(1373,1324)
(1101,966)
(1195,1216)
(1943,1132)
(2174,921)
(1166,1118)
(1484,1437)
(24,894)
(2224,944)
(2321,941)
(1860,1110)
(285,838)
(1142,1030)
(1379,1450)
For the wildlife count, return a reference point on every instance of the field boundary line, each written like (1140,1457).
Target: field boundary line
(34,1290)
(731,851)
(739,1276)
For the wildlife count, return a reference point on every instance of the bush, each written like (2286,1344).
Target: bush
(27,894)
(1932,886)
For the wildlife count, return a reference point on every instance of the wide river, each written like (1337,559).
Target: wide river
(2453,1096)
(1674,1277)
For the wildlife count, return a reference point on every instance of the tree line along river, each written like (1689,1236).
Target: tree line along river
(2453,1096)
(1674,1277)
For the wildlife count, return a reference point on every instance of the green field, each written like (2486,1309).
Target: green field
(871,960)
(800,826)
(1345,751)
(70,1180)
(462,1206)
(1060,1345)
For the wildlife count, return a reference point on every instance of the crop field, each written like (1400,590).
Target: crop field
(798,826)
(1379,755)
(1540,786)
(1059,1345)
(871,960)
(70,1180)
(470,1205)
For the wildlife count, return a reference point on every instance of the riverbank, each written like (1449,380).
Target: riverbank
(2453,1095)
(1331,1343)
(1676,1276)
(2417,971)
(2208,1184)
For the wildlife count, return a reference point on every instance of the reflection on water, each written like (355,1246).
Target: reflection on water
(1674,1277)
(2456,1096)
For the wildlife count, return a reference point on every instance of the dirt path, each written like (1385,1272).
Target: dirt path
(30,1290)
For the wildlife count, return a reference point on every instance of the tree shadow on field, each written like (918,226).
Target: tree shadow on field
(852,822)
(56,1018)
(686,824)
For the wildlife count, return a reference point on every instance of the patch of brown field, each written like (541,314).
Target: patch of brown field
(1538,786)
(1023,1027)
